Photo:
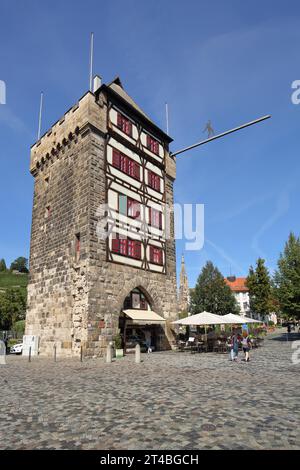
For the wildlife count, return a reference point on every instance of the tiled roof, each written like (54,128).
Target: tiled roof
(237,284)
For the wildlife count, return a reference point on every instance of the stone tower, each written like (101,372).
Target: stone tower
(184,296)
(104,168)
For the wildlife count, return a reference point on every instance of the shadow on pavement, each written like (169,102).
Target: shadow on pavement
(286,337)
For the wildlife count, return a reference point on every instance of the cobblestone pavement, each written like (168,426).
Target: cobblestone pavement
(170,401)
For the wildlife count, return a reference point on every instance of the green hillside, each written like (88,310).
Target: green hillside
(8,279)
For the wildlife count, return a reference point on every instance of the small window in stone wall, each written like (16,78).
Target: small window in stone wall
(47,181)
(47,212)
(77,246)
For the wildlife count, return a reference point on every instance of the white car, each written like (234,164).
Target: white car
(17,349)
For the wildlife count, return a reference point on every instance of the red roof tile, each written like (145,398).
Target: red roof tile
(238,284)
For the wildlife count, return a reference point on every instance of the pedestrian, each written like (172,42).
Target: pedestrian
(148,341)
(234,346)
(246,344)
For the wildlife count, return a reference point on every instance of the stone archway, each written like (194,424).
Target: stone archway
(135,298)
(145,286)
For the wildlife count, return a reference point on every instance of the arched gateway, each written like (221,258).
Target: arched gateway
(140,324)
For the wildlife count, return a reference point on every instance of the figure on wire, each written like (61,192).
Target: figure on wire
(208,128)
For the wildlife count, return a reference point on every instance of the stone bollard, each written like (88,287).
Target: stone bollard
(2,353)
(108,353)
(138,354)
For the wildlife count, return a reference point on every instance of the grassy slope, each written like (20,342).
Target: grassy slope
(13,280)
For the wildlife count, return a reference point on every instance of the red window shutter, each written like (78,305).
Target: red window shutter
(116,158)
(148,141)
(160,220)
(151,254)
(115,245)
(136,170)
(123,246)
(150,216)
(130,167)
(129,127)
(137,210)
(160,257)
(129,207)
(149,177)
(119,120)
(137,250)
(157,182)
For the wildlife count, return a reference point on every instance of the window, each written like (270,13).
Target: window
(155,218)
(133,209)
(77,246)
(126,164)
(127,247)
(136,300)
(124,124)
(129,207)
(152,144)
(47,181)
(153,180)
(156,255)
(47,212)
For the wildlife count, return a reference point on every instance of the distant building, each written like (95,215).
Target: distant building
(241,293)
(184,293)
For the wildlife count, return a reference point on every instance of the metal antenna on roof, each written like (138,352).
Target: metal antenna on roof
(40,117)
(91,61)
(167,118)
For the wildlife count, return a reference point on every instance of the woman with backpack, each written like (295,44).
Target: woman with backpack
(246,344)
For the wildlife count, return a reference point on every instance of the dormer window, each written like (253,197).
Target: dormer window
(152,144)
(124,124)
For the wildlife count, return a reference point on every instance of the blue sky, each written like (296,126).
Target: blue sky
(227,61)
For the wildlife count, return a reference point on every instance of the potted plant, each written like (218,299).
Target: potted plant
(118,346)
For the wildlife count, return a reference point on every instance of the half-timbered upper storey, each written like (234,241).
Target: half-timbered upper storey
(136,152)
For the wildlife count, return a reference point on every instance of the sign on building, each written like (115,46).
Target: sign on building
(30,341)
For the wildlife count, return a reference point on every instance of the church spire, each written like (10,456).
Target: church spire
(183,299)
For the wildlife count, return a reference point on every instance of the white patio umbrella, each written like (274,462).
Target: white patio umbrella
(204,319)
(237,319)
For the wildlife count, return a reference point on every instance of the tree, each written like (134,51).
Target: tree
(20,264)
(12,307)
(287,278)
(2,265)
(260,290)
(212,294)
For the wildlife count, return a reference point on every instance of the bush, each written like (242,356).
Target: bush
(19,327)
(118,341)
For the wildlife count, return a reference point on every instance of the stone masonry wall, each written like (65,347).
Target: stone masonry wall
(58,285)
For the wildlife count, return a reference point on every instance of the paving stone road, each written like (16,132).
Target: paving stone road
(170,401)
